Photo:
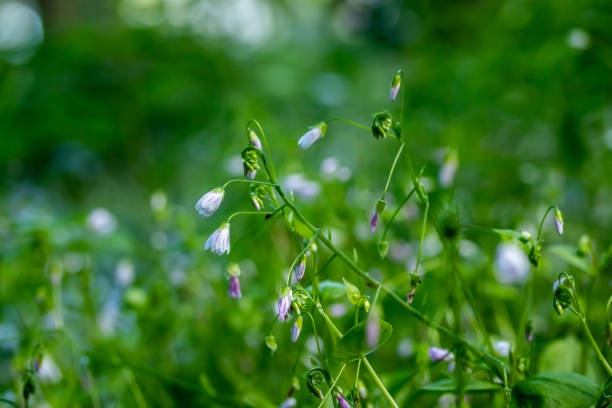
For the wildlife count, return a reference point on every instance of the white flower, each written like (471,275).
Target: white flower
(219,241)
(210,202)
(448,169)
(101,221)
(302,187)
(314,134)
(502,348)
(511,264)
(395,87)
(439,354)
(559,221)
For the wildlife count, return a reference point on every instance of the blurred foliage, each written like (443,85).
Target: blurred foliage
(128,112)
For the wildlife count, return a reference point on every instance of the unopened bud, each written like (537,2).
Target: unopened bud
(314,379)
(395,86)
(364,303)
(296,329)
(352,292)
(381,125)
(529,330)
(559,221)
(383,248)
(254,140)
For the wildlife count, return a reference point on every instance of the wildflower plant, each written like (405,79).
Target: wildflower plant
(340,370)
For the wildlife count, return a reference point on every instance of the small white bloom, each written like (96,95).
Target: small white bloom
(448,169)
(210,202)
(303,188)
(289,403)
(502,348)
(49,371)
(101,221)
(511,264)
(219,241)
(314,134)
(124,273)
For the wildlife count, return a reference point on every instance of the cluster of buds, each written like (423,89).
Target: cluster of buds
(563,293)
(257,193)
(315,378)
(382,125)
(250,162)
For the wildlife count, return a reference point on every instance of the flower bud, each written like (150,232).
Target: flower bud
(296,329)
(342,403)
(378,210)
(395,86)
(314,379)
(563,293)
(250,162)
(439,354)
(300,269)
(315,133)
(352,292)
(254,140)
(364,303)
(559,221)
(383,248)
(529,330)
(271,343)
(284,303)
(382,123)
(234,288)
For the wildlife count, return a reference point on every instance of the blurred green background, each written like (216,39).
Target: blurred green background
(115,117)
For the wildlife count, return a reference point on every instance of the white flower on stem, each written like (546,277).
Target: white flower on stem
(502,348)
(559,221)
(511,264)
(210,202)
(219,241)
(315,133)
(439,354)
(284,303)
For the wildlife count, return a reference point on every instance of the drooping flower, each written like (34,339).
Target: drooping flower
(296,329)
(219,241)
(315,133)
(439,354)
(210,202)
(342,403)
(395,86)
(234,288)
(254,140)
(559,221)
(300,269)
(502,348)
(289,403)
(284,303)
(511,264)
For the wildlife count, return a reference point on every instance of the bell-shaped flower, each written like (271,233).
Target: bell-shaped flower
(219,241)
(210,202)
(315,133)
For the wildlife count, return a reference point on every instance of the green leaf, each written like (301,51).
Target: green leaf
(570,255)
(449,386)
(301,229)
(329,291)
(556,390)
(353,344)
(352,291)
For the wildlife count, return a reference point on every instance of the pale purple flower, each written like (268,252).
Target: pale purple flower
(511,264)
(439,354)
(300,269)
(342,403)
(284,303)
(256,202)
(234,288)
(374,221)
(296,329)
(395,87)
(559,222)
(219,241)
(250,174)
(502,348)
(315,133)
(254,140)
(210,202)
(101,221)
(289,403)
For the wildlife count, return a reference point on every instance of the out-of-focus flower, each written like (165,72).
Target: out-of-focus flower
(511,264)
(233,270)
(502,348)
(378,209)
(158,200)
(289,403)
(315,133)
(372,332)
(439,354)
(49,371)
(284,303)
(124,273)
(448,169)
(296,329)
(210,202)
(342,403)
(300,269)
(302,187)
(219,241)
(101,221)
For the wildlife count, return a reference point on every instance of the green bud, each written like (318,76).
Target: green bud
(382,123)
(380,206)
(233,269)
(383,248)
(271,343)
(364,303)
(352,292)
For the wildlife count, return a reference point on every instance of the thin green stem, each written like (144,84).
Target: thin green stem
(140,400)
(331,324)
(314,328)
(542,221)
(397,156)
(249,182)
(397,210)
(266,145)
(378,382)
(350,122)
(402,102)
(332,386)
(424,228)
(249,213)
(11,403)
(600,356)
(357,373)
